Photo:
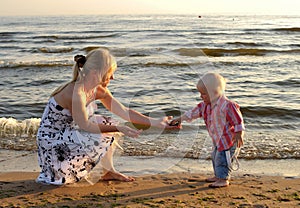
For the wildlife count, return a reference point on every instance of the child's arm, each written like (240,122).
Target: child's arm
(235,118)
(190,115)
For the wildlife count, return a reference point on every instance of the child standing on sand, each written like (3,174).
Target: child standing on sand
(224,123)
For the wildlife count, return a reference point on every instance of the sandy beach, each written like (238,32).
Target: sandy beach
(259,55)
(259,183)
(19,189)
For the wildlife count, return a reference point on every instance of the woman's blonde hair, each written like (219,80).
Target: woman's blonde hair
(213,83)
(97,59)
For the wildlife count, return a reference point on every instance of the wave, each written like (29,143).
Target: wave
(54,50)
(295,45)
(126,52)
(16,65)
(21,135)
(217,52)
(11,34)
(12,128)
(288,82)
(248,44)
(7,41)
(281,29)
(245,52)
(75,37)
(174,64)
(269,111)
(11,125)
(289,29)
(18,135)
(42,82)
(11,47)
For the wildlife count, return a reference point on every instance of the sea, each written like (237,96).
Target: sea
(160,59)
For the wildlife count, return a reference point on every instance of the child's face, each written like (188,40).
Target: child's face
(204,95)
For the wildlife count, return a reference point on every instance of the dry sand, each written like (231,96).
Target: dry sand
(19,189)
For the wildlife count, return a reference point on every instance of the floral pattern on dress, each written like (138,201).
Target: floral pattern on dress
(65,153)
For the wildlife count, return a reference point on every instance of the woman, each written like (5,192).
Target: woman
(70,142)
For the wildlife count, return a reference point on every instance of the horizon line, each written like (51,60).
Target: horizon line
(150,14)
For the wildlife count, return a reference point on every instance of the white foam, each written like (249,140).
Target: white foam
(10,127)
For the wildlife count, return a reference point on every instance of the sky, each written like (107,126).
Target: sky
(100,7)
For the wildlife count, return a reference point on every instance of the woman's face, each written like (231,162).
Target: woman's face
(110,76)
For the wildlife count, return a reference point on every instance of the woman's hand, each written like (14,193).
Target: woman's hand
(165,122)
(129,131)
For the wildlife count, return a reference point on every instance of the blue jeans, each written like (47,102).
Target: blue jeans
(220,165)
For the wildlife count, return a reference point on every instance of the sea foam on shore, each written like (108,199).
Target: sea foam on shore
(26,161)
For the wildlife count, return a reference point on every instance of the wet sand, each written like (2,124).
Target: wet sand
(19,189)
(160,182)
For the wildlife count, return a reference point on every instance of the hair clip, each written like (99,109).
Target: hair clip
(80,59)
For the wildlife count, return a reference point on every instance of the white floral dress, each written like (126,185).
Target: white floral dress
(65,153)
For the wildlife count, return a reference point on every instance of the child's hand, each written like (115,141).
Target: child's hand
(163,122)
(176,122)
(238,137)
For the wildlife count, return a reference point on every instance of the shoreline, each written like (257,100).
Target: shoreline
(26,161)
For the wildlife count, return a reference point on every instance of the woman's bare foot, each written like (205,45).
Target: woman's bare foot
(109,176)
(220,183)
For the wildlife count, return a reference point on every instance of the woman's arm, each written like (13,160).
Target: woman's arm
(80,117)
(130,115)
(79,113)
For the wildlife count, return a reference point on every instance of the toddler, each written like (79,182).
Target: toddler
(224,123)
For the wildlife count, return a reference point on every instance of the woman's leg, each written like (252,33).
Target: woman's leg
(107,161)
(109,172)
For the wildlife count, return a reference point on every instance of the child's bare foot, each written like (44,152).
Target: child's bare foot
(109,176)
(219,183)
(212,179)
